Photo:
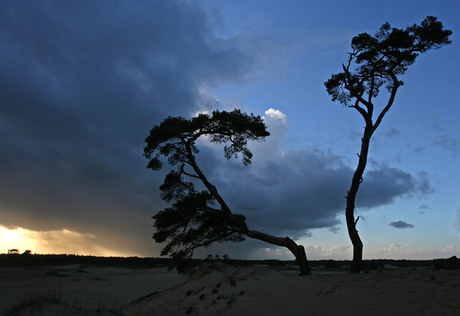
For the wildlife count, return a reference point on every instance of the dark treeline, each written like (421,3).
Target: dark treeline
(150,262)
(7,260)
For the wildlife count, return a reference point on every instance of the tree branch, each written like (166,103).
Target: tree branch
(371,89)
(190,175)
(195,245)
(356,221)
(390,101)
(360,109)
(212,189)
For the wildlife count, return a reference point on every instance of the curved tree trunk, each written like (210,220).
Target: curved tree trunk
(297,250)
(358,175)
(356,241)
(351,197)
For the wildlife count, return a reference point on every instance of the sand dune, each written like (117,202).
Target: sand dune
(264,291)
(219,289)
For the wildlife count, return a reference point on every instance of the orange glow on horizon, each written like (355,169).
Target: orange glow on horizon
(61,241)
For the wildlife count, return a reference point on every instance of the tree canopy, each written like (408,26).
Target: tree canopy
(198,218)
(379,59)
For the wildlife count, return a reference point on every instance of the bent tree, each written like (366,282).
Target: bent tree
(199,218)
(377,61)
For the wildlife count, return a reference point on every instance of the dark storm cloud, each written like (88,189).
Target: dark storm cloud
(290,193)
(400,225)
(304,190)
(381,186)
(81,84)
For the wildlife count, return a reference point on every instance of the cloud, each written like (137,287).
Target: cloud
(82,84)
(401,225)
(393,133)
(436,122)
(448,143)
(423,208)
(290,193)
(382,185)
(317,252)
(334,230)
(272,115)
(410,252)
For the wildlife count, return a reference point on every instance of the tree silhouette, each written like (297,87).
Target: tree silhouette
(379,60)
(199,218)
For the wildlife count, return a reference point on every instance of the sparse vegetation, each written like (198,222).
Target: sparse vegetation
(34,302)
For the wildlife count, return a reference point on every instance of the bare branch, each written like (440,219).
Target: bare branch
(190,174)
(390,101)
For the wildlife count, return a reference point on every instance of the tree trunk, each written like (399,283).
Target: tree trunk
(351,197)
(356,241)
(297,250)
(302,262)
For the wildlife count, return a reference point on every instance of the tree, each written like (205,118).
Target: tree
(199,218)
(379,60)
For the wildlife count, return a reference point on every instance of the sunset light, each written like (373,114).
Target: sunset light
(61,241)
(13,239)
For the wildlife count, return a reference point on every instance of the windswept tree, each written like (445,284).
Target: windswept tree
(199,218)
(376,62)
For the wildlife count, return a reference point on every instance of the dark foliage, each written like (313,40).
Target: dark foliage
(197,218)
(169,139)
(380,58)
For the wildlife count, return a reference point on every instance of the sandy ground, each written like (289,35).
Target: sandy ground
(223,290)
(88,288)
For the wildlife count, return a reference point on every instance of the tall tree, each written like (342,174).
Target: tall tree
(378,61)
(199,218)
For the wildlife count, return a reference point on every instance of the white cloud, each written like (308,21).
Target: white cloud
(317,252)
(277,253)
(275,114)
(200,112)
(408,251)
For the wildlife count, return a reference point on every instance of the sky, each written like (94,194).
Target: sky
(83,82)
